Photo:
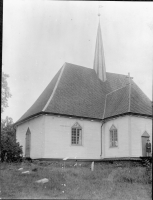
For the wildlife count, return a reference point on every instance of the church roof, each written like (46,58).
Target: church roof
(125,100)
(77,91)
(117,102)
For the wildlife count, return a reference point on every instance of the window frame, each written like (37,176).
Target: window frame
(74,135)
(113,133)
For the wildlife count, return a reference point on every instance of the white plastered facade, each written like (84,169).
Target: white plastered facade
(138,126)
(37,129)
(51,137)
(130,129)
(58,138)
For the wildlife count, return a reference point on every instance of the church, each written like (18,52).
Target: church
(87,114)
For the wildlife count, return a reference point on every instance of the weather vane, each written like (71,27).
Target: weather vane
(100,6)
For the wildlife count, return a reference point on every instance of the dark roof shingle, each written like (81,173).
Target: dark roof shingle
(80,92)
(140,103)
(117,102)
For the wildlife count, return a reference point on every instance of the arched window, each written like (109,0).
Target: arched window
(28,143)
(76,134)
(113,136)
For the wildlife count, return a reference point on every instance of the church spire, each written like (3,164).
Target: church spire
(99,60)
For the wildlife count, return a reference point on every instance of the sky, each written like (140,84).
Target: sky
(40,36)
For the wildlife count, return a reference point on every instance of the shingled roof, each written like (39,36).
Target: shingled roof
(117,102)
(77,91)
(127,99)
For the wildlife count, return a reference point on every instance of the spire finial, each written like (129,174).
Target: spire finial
(129,78)
(100,6)
(130,85)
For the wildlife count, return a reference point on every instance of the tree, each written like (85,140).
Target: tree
(5,92)
(10,149)
(7,124)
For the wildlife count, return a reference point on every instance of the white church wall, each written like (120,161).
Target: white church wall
(51,137)
(58,138)
(36,127)
(122,150)
(138,126)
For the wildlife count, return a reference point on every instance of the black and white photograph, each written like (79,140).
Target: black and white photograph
(76,104)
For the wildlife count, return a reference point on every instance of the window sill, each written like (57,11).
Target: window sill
(76,145)
(113,147)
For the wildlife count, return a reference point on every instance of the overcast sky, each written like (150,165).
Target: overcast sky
(40,36)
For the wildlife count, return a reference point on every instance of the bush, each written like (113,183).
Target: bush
(10,149)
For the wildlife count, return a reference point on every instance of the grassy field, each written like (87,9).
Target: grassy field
(107,181)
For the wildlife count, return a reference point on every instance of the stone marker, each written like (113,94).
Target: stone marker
(92,166)
(64,161)
(26,172)
(66,158)
(44,180)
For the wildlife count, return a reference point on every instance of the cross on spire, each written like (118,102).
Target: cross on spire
(129,78)
(130,84)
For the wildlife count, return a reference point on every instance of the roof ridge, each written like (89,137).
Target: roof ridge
(130,86)
(104,108)
(144,95)
(78,65)
(55,87)
(117,89)
(106,98)
(116,73)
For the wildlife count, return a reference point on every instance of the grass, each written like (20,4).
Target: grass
(107,181)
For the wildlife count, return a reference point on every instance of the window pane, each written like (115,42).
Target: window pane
(79,140)
(73,130)
(76,136)
(113,138)
(110,138)
(115,135)
(73,136)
